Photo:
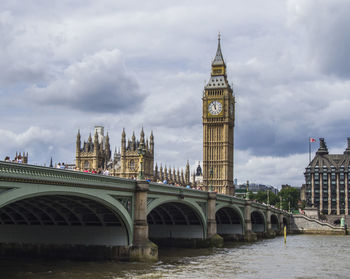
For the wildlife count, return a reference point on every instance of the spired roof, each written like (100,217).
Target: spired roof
(217,82)
(218,60)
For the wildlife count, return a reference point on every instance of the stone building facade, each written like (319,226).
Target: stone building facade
(328,181)
(127,162)
(95,153)
(218,127)
(173,176)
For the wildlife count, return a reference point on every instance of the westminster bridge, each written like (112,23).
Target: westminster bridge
(52,212)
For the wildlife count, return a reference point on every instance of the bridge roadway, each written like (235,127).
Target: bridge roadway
(59,213)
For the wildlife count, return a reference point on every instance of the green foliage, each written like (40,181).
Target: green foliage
(288,194)
(261,197)
(291,195)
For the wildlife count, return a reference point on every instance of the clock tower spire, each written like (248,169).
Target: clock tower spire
(218,127)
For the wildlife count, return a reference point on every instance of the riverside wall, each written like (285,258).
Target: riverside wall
(306,225)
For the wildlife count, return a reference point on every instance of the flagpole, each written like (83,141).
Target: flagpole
(309,150)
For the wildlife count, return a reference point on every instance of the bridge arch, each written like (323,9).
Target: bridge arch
(74,216)
(229,220)
(172,218)
(274,222)
(258,221)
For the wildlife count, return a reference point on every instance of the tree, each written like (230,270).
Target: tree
(289,194)
(261,196)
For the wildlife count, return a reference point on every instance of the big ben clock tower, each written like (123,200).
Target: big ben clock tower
(218,126)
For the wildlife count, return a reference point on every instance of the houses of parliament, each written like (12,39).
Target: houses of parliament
(218,116)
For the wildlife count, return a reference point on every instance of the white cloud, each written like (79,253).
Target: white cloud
(97,83)
(62,67)
(271,170)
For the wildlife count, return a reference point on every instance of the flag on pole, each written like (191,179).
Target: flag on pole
(310,141)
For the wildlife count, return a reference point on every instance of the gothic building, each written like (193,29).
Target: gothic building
(93,154)
(218,125)
(173,176)
(96,155)
(128,164)
(328,181)
(19,158)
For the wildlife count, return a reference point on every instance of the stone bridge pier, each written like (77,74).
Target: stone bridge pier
(249,235)
(142,248)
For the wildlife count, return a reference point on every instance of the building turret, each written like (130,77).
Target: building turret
(123,143)
(78,142)
(174,175)
(77,151)
(218,65)
(151,141)
(323,150)
(107,148)
(170,176)
(96,145)
(90,139)
(194,180)
(156,173)
(95,153)
(347,150)
(178,178)
(187,174)
(199,170)
(133,141)
(165,173)
(142,136)
(161,175)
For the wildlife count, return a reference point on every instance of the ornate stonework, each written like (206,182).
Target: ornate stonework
(128,162)
(218,127)
(94,154)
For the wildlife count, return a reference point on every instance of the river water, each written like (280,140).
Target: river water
(302,257)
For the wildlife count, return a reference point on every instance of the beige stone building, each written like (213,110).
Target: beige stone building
(93,154)
(218,128)
(173,176)
(127,162)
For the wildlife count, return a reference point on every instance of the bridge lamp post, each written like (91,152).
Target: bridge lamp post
(268,197)
(141,151)
(247,197)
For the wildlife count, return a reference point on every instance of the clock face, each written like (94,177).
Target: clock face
(215,107)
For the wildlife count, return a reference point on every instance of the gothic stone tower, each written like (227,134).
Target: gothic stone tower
(95,153)
(218,126)
(130,157)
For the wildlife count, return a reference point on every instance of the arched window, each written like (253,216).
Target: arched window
(132,165)
(86,165)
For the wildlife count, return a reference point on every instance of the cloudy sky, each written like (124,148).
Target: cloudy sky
(69,65)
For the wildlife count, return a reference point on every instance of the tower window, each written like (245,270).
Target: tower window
(132,165)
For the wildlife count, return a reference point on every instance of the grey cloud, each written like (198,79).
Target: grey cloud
(324,27)
(285,92)
(98,83)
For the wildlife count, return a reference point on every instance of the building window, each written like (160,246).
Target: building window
(132,165)
(86,165)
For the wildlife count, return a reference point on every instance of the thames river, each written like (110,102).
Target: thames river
(304,256)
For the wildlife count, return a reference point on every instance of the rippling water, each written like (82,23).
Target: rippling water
(303,257)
